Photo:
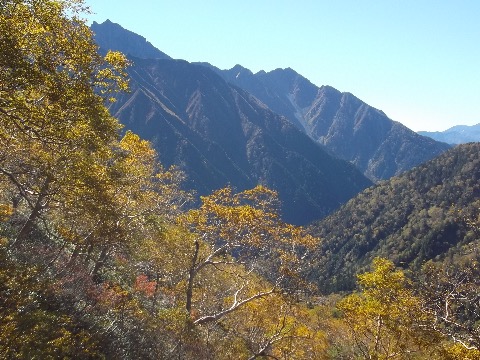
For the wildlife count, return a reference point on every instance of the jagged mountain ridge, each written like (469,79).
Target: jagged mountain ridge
(459,134)
(409,219)
(219,134)
(347,126)
(282,90)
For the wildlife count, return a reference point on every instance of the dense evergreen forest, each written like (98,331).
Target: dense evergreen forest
(103,255)
(415,217)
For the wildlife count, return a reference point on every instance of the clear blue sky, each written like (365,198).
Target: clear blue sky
(417,60)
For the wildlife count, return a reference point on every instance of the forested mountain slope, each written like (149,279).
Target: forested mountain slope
(409,219)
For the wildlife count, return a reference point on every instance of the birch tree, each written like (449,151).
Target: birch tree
(238,235)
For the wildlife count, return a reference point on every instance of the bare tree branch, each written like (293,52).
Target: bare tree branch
(236,304)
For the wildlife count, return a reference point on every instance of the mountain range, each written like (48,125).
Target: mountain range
(233,127)
(348,127)
(459,134)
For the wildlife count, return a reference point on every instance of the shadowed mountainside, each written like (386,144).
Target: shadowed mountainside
(348,127)
(219,135)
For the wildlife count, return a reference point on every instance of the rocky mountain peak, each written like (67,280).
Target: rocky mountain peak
(111,36)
